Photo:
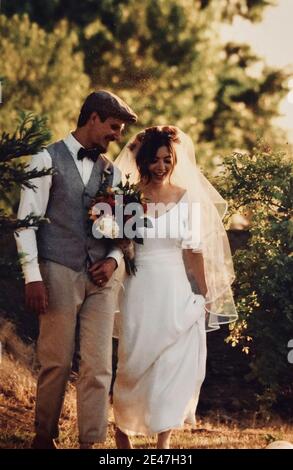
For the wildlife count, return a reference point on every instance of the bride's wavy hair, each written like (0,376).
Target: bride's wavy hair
(147,143)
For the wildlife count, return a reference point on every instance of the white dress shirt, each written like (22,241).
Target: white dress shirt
(36,201)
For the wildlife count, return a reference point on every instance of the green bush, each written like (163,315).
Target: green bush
(260,186)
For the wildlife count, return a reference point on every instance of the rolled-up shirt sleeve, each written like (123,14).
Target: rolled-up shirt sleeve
(33,201)
(117,254)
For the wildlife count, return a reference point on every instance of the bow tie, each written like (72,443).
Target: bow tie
(92,154)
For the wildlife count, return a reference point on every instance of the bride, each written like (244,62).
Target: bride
(162,338)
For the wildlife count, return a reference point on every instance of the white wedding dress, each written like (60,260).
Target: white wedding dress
(162,339)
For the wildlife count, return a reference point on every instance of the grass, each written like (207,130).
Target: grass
(17,399)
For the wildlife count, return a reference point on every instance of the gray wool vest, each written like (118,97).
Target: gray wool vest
(67,239)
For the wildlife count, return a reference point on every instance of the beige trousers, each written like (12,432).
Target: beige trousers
(72,294)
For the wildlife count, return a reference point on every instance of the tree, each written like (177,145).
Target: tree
(30,136)
(40,72)
(245,104)
(48,12)
(249,9)
(261,183)
(166,59)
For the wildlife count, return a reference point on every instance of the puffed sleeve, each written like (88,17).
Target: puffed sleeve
(191,227)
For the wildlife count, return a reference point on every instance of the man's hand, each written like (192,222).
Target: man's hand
(36,298)
(101,271)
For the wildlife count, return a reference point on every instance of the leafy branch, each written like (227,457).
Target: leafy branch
(10,224)
(30,136)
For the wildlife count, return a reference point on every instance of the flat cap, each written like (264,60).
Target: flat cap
(109,105)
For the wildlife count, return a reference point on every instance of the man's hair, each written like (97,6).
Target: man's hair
(106,105)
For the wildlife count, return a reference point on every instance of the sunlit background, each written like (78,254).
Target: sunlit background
(272,39)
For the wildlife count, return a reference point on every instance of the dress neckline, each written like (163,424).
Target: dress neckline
(166,212)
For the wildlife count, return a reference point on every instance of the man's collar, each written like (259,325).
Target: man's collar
(73,144)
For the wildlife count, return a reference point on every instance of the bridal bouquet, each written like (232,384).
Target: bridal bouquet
(117,213)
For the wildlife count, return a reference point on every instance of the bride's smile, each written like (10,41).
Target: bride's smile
(162,165)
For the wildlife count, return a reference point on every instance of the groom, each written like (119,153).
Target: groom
(69,274)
